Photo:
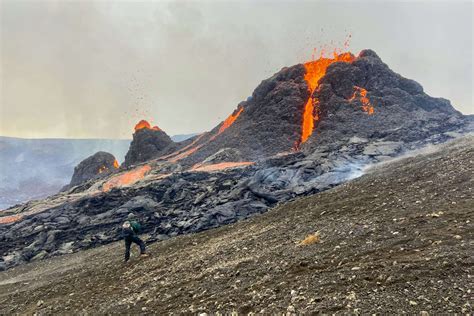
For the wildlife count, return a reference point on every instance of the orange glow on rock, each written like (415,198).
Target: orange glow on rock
(315,70)
(126,178)
(184,154)
(230,120)
(10,219)
(366,105)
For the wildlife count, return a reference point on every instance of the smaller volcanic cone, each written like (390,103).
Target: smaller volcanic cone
(148,143)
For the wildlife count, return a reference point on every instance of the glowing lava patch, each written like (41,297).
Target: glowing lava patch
(143,124)
(126,178)
(362,94)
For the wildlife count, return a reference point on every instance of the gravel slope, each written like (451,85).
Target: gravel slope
(399,239)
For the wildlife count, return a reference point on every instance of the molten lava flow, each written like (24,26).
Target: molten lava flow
(229,121)
(186,149)
(366,105)
(220,166)
(144,124)
(126,178)
(184,154)
(116,164)
(315,70)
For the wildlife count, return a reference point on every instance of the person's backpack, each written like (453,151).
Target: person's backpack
(136,226)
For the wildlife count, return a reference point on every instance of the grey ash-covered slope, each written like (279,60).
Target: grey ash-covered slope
(395,241)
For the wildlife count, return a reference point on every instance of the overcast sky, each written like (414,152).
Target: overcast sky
(91,69)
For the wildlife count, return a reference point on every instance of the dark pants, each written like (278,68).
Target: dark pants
(128,243)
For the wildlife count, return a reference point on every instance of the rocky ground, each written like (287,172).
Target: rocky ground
(396,240)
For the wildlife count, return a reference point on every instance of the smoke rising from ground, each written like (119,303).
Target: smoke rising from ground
(92,69)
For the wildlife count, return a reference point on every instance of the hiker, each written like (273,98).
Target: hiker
(130,230)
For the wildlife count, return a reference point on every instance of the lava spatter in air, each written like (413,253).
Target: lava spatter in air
(315,70)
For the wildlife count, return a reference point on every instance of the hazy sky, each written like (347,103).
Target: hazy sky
(91,69)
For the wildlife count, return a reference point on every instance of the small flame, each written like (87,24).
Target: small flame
(116,164)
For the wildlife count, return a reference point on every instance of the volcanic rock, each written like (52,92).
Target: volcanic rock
(361,98)
(97,165)
(401,110)
(147,144)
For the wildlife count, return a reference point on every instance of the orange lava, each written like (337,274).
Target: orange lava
(315,70)
(10,219)
(192,148)
(230,120)
(144,124)
(126,178)
(184,154)
(116,164)
(220,166)
(366,105)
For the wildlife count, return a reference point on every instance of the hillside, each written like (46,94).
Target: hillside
(398,239)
